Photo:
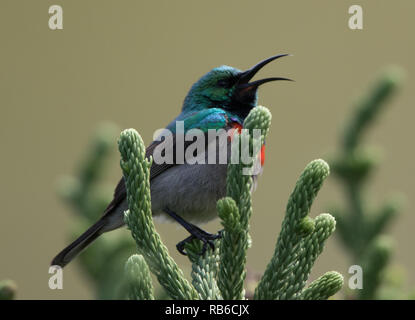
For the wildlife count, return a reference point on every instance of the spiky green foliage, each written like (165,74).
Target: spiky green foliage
(359,226)
(236,210)
(221,273)
(324,287)
(234,244)
(300,241)
(104,260)
(138,279)
(204,270)
(374,264)
(136,170)
(368,108)
(8,290)
(311,247)
(82,191)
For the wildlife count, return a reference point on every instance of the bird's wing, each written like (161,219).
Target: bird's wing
(204,120)
(120,191)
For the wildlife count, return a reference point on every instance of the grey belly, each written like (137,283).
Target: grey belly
(191,191)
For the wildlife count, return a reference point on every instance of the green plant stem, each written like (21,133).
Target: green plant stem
(138,279)
(273,283)
(204,270)
(136,170)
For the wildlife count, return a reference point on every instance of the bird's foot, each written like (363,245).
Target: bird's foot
(206,237)
(195,233)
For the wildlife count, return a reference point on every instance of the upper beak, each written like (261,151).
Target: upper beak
(244,87)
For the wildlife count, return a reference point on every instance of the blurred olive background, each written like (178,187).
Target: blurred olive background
(132,62)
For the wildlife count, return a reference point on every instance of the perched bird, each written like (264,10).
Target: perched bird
(187,193)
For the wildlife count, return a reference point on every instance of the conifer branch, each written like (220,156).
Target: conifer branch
(235,210)
(311,247)
(104,261)
(374,264)
(273,283)
(324,287)
(204,270)
(138,279)
(136,170)
(360,226)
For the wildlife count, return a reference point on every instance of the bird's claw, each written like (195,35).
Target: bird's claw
(181,244)
(205,237)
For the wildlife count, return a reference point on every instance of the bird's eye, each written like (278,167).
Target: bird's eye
(223,83)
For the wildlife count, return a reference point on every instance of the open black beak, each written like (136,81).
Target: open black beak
(246,89)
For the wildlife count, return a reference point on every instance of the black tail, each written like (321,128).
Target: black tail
(71,251)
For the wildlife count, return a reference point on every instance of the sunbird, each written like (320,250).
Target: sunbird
(188,192)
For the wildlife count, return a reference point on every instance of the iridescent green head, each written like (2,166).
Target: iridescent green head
(228,88)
